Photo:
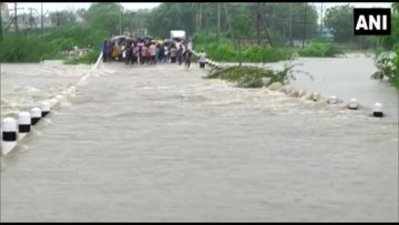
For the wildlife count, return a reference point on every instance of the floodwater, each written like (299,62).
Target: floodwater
(23,86)
(158,143)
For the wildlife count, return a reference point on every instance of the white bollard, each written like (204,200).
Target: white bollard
(36,115)
(24,121)
(45,107)
(9,135)
(353,104)
(332,100)
(377,110)
(315,96)
(71,90)
(53,102)
(59,97)
(301,93)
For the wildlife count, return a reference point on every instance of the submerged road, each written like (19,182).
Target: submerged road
(158,143)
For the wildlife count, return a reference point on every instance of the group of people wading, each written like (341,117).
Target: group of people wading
(147,51)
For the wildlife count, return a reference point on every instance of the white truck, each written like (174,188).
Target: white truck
(178,35)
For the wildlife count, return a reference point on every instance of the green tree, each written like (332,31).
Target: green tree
(62,18)
(340,20)
(390,41)
(105,17)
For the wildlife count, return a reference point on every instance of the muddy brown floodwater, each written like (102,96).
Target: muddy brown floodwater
(159,143)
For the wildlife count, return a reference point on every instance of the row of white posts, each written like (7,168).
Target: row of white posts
(13,130)
(352,105)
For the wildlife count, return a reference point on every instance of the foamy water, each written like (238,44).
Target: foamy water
(24,86)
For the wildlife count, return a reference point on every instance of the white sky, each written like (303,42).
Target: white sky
(56,6)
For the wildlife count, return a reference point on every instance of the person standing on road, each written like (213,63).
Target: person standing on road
(173,53)
(180,54)
(161,53)
(153,51)
(202,59)
(105,51)
(187,58)
(167,53)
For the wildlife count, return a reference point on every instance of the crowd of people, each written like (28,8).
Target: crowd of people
(147,51)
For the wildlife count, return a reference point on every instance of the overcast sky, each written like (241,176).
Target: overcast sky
(56,6)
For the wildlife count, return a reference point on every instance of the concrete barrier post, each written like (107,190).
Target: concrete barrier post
(45,107)
(377,110)
(9,135)
(332,100)
(24,122)
(353,104)
(36,114)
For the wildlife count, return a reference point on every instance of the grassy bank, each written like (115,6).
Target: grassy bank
(36,47)
(227,50)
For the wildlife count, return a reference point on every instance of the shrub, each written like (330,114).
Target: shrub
(320,49)
(387,64)
(250,76)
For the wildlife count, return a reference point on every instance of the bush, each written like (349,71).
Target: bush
(388,66)
(34,48)
(19,48)
(395,79)
(226,50)
(320,49)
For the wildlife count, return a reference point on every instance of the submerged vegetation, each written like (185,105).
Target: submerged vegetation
(251,76)
(89,58)
(387,60)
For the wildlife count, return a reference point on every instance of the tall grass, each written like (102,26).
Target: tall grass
(36,47)
(227,50)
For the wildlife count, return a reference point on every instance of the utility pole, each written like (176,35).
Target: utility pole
(1,23)
(227,15)
(219,17)
(120,22)
(258,16)
(31,18)
(290,23)
(15,17)
(321,18)
(41,18)
(200,17)
(304,26)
